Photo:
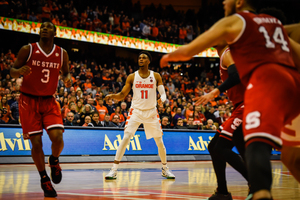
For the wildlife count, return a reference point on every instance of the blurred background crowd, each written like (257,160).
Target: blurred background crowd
(84,103)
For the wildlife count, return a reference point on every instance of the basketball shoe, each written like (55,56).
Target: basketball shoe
(167,173)
(112,174)
(55,170)
(48,188)
(219,196)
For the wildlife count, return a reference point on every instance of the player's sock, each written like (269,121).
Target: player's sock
(43,174)
(164,165)
(259,166)
(53,160)
(115,166)
(219,166)
(224,150)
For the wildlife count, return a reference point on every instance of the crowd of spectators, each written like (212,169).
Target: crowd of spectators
(115,17)
(84,103)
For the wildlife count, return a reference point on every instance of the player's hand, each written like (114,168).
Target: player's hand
(67,81)
(108,97)
(159,102)
(25,70)
(164,61)
(202,100)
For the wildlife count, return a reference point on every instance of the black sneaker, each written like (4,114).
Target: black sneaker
(48,188)
(219,196)
(55,170)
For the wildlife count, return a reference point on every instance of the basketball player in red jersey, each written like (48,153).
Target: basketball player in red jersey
(263,56)
(40,64)
(230,133)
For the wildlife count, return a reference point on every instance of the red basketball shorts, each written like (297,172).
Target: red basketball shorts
(234,121)
(272,108)
(38,113)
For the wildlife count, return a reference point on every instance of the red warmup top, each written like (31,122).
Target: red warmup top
(45,69)
(263,40)
(236,93)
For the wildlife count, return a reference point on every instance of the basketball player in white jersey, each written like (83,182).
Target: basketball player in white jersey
(143,110)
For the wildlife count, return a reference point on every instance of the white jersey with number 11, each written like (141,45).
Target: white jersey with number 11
(144,92)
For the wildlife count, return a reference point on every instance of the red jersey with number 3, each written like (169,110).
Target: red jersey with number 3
(45,69)
(236,93)
(262,40)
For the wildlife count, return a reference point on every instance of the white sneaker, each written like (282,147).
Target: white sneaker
(167,173)
(112,174)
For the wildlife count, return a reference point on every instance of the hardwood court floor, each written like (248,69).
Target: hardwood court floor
(194,180)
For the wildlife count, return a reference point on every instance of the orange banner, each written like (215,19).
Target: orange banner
(97,37)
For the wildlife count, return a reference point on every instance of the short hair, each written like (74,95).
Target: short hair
(274,12)
(70,113)
(147,53)
(253,3)
(49,21)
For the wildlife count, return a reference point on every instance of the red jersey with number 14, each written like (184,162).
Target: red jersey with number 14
(236,93)
(263,40)
(44,71)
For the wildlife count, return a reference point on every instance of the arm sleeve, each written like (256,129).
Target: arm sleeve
(232,80)
(161,90)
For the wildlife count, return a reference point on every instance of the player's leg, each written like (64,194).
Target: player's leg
(290,157)
(53,123)
(56,137)
(290,135)
(39,161)
(163,157)
(258,164)
(224,150)
(152,126)
(219,166)
(131,126)
(263,121)
(31,121)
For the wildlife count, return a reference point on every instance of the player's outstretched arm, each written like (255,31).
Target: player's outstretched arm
(66,70)
(225,29)
(296,53)
(19,68)
(232,80)
(293,30)
(125,90)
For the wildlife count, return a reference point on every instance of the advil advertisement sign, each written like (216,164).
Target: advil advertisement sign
(106,142)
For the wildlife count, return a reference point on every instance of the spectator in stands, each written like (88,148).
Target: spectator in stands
(106,122)
(191,124)
(15,110)
(210,125)
(92,103)
(70,119)
(102,110)
(165,124)
(95,120)
(178,115)
(160,109)
(110,107)
(124,110)
(88,121)
(117,112)
(209,114)
(6,110)
(32,17)
(179,124)
(1,116)
(86,111)
(116,122)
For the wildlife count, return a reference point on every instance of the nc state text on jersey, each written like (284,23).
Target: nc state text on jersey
(45,64)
